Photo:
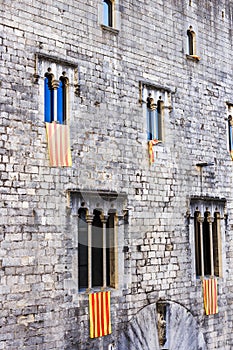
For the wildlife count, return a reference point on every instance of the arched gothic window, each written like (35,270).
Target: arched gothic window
(96,264)
(55,98)
(191,41)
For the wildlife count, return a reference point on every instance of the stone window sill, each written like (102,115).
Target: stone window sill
(193,57)
(110,29)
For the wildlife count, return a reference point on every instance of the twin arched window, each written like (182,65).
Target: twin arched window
(55,98)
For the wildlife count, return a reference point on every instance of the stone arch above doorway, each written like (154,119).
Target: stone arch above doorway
(182,330)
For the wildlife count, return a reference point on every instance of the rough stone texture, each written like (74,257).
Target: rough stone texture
(39,310)
(182,330)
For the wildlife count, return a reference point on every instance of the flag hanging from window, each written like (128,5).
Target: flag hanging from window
(210,296)
(58,144)
(99,309)
(151,143)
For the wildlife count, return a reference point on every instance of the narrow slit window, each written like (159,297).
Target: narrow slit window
(230,136)
(191,41)
(108,13)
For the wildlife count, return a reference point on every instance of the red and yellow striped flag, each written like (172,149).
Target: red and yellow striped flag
(210,296)
(58,144)
(99,308)
(231,154)
(151,143)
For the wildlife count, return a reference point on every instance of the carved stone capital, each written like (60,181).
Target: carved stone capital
(89,218)
(210,219)
(55,84)
(104,218)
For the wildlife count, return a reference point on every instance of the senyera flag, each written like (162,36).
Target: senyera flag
(210,296)
(99,309)
(58,144)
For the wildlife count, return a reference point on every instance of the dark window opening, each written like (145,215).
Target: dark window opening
(206,231)
(191,41)
(230,138)
(197,244)
(82,249)
(206,245)
(97,250)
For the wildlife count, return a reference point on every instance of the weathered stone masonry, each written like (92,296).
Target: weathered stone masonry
(41,307)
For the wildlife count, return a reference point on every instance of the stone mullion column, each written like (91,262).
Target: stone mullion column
(210,221)
(104,219)
(89,219)
(55,85)
(201,220)
(117,219)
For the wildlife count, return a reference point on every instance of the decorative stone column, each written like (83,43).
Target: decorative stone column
(89,220)
(210,220)
(200,219)
(104,219)
(55,85)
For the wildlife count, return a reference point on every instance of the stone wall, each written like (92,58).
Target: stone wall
(39,307)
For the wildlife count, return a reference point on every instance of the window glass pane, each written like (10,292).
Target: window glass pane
(197,245)
(215,244)
(230,135)
(107,13)
(190,42)
(159,135)
(110,251)
(60,103)
(97,250)
(47,101)
(206,246)
(150,124)
(82,249)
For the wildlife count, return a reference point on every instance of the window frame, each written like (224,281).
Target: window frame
(191,41)
(56,94)
(108,7)
(109,205)
(207,222)
(191,45)
(155,119)
(102,250)
(159,94)
(60,69)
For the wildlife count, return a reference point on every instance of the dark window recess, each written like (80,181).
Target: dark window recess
(206,244)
